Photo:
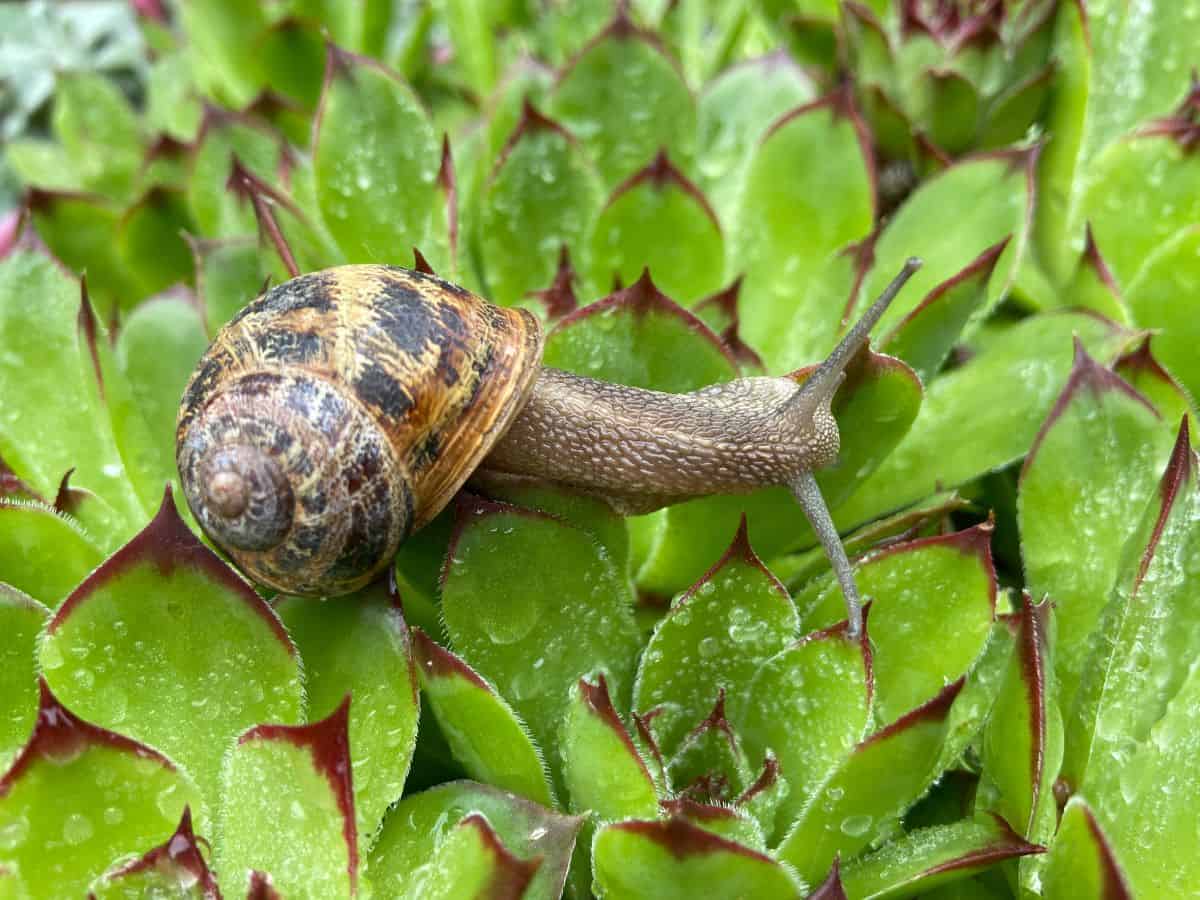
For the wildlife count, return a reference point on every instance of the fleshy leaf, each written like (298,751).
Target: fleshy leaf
(874,408)
(1093,285)
(796,227)
(78,229)
(880,778)
(934,600)
(1081,861)
(534,604)
(21,619)
(989,198)
(625,98)
(683,861)
(984,414)
(483,732)
(228,277)
(1022,744)
(359,645)
(925,337)
(150,241)
(602,768)
(216,209)
(1097,456)
(223,35)
(42,552)
(715,637)
(1150,814)
(123,795)
(709,764)
(289,809)
(1141,370)
(201,657)
(929,857)
(175,868)
(49,366)
(808,706)
(422,828)
(99,130)
(1141,655)
(639,337)
(157,348)
(541,195)
(1156,299)
(735,109)
(628,235)
(375,158)
(1141,192)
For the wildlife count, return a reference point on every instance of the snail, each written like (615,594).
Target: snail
(340,411)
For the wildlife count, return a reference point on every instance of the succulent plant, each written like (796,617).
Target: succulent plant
(545,698)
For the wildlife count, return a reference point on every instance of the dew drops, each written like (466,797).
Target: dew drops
(13,834)
(856,826)
(77,828)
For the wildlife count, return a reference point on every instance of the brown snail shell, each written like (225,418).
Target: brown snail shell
(342,410)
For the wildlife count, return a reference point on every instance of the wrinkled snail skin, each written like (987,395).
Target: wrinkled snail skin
(342,410)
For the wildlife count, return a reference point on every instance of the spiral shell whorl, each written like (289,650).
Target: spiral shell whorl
(370,393)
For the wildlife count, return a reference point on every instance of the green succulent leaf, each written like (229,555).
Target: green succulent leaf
(603,770)
(627,236)
(625,98)
(787,224)
(640,337)
(43,165)
(1093,286)
(1141,655)
(218,211)
(228,275)
(1022,744)
(875,407)
(1081,862)
(43,552)
(807,706)
(989,198)
(483,732)
(1096,457)
(52,362)
(376,160)
(534,604)
(150,240)
(99,130)
(876,782)
(223,35)
(714,638)
(1142,192)
(359,645)
(930,857)
(540,196)
(78,229)
(925,337)
(1151,814)
(984,414)
(1142,371)
(171,106)
(175,868)
(734,111)
(421,848)
(157,348)
(21,619)
(172,607)
(673,859)
(934,601)
(709,763)
(289,809)
(78,797)
(1157,299)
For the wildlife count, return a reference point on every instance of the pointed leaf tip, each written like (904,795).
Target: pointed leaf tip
(831,888)
(932,711)
(261,887)
(559,298)
(511,875)
(180,854)
(59,734)
(167,543)
(1093,258)
(1179,472)
(421,264)
(328,743)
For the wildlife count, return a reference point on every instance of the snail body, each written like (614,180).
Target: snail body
(342,410)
